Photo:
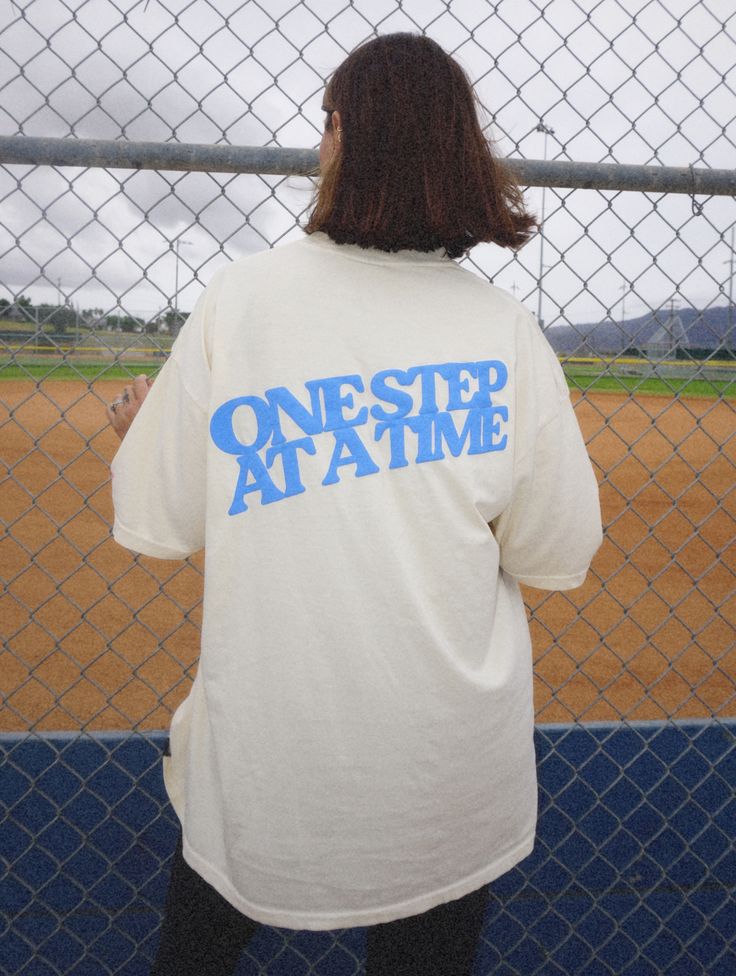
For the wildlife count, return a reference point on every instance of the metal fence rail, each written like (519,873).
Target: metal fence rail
(305,162)
(127,176)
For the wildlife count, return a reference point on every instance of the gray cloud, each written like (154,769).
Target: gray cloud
(626,82)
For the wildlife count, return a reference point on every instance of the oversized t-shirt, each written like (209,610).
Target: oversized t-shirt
(374,449)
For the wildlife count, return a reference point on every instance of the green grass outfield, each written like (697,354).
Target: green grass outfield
(581,380)
(87,372)
(681,387)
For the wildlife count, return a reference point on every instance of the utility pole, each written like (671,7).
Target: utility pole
(179,241)
(728,340)
(623,288)
(541,127)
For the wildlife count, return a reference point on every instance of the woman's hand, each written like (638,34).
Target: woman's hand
(123,409)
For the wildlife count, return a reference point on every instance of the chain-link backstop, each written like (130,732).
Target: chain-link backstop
(102,257)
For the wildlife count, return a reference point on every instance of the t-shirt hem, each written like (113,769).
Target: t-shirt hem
(550,582)
(322,921)
(147,547)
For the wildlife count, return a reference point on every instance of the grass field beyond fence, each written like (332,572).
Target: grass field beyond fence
(578,378)
(87,354)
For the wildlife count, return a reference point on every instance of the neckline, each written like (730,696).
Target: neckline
(372,255)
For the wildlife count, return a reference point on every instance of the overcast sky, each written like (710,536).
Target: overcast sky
(630,81)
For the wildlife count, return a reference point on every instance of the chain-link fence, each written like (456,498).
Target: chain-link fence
(101,262)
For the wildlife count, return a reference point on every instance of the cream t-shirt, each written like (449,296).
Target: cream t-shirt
(373,449)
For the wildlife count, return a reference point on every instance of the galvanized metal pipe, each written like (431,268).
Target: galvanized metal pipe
(117,154)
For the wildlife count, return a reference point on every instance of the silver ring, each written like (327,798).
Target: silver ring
(115,404)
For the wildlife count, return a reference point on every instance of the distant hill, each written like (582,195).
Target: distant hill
(704,329)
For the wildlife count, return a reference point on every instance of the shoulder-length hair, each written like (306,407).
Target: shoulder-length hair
(413,169)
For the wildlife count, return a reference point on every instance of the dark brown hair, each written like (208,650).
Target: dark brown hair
(413,169)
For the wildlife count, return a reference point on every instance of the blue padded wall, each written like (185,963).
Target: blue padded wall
(633,874)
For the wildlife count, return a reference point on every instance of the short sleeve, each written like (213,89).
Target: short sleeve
(551,530)
(159,471)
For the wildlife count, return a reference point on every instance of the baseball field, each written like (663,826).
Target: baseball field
(95,638)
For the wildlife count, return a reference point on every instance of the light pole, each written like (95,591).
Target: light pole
(728,342)
(547,132)
(179,240)
(623,288)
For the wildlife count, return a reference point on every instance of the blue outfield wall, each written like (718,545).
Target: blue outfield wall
(633,874)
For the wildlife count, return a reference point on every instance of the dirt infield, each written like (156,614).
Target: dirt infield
(96,638)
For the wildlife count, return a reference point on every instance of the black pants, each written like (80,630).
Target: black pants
(203,935)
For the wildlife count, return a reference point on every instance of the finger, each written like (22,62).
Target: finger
(140,387)
(116,422)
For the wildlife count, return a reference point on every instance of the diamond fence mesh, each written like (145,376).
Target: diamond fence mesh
(634,290)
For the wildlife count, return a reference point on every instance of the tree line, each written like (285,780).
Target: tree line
(60,319)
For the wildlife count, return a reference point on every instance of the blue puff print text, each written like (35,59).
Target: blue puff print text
(424,412)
